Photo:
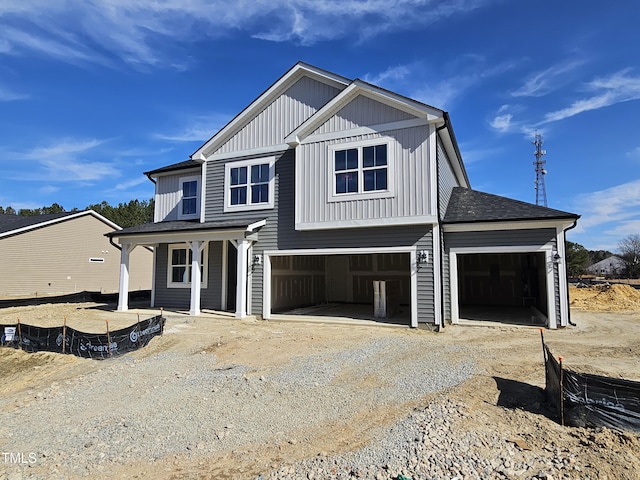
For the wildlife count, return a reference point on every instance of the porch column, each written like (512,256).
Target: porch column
(123,293)
(241,285)
(196,248)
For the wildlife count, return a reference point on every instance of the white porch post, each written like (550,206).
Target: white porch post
(123,294)
(241,285)
(196,248)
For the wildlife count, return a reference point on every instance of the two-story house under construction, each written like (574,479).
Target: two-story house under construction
(324,186)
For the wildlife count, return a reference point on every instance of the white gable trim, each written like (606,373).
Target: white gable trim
(355,132)
(354,90)
(288,79)
(61,219)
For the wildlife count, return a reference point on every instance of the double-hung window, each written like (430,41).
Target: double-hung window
(179,268)
(361,170)
(190,198)
(249,184)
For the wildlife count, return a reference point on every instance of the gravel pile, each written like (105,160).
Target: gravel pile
(427,446)
(187,403)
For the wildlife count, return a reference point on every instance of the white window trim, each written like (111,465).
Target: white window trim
(198,181)
(361,194)
(248,163)
(205,256)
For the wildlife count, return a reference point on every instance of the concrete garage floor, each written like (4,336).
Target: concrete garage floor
(482,315)
(349,313)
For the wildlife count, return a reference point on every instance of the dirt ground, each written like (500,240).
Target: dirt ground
(507,395)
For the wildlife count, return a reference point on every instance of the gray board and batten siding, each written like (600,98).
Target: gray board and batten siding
(279,233)
(297,103)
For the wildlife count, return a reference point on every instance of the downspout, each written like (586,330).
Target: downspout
(442,306)
(575,223)
(151,178)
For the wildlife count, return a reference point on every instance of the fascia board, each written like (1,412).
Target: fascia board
(507,225)
(180,237)
(288,79)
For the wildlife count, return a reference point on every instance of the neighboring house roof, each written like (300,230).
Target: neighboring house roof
(613,261)
(186,225)
(184,165)
(15,224)
(469,206)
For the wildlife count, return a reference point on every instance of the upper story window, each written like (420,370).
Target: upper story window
(362,169)
(190,199)
(249,184)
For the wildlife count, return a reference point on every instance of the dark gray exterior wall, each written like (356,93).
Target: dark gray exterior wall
(279,233)
(181,297)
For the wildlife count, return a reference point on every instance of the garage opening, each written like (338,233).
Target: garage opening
(342,286)
(503,287)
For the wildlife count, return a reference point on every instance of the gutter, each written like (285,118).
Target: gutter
(442,306)
(150,178)
(575,223)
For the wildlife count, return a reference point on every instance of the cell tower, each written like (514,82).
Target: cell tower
(541,190)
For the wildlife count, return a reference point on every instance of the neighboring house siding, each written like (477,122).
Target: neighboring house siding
(410,181)
(168,195)
(362,111)
(277,120)
(55,260)
(446,179)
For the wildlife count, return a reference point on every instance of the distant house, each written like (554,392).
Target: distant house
(63,253)
(612,266)
(323,187)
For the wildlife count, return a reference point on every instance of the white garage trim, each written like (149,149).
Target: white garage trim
(453,273)
(266,290)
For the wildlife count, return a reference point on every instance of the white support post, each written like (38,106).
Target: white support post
(123,294)
(241,288)
(196,248)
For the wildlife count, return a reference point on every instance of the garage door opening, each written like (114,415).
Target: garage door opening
(341,286)
(503,287)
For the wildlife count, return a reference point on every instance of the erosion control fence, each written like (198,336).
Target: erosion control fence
(89,345)
(585,400)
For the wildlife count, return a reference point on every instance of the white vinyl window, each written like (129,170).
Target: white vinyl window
(249,184)
(179,266)
(189,198)
(362,170)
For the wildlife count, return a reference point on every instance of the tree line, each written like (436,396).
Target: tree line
(579,258)
(135,212)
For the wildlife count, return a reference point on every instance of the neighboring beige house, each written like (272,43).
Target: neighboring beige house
(63,253)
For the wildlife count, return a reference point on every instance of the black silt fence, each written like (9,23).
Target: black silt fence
(89,345)
(586,400)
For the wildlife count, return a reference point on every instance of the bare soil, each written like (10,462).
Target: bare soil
(506,396)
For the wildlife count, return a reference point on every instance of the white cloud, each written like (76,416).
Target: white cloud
(97,31)
(502,123)
(68,161)
(620,203)
(9,96)
(391,74)
(616,88)
(634,154)
(131,183)
(544,82)
(199,129)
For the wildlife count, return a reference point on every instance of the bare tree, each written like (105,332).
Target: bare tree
(629,248)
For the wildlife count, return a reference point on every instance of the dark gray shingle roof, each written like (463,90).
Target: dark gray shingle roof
(468,206)
(184,226)
(186,164)
(9,223)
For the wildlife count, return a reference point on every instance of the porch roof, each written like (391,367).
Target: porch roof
(186,227)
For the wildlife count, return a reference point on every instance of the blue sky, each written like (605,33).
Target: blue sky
(93,93)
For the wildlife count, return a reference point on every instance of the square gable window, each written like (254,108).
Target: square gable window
(249,184)
(361,170)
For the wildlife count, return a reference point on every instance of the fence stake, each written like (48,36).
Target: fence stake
(19,333)
(108,338)
(561,393)
(64,334)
